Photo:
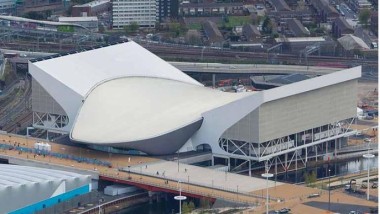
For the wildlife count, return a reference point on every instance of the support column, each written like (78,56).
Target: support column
(286,162)
(229,164)
(249,168)
(213,80)
(316,153)
(150,194)
(306,155)
(212,160)
(335,148)
(275,169)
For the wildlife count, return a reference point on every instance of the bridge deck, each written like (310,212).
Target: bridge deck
(251,190)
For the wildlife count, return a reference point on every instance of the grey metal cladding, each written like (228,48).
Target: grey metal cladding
(164,144)
(43,102)
(296,113)
(307,110)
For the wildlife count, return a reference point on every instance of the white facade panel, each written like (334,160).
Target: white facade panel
(142,12)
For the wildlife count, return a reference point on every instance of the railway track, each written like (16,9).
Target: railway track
(195,53)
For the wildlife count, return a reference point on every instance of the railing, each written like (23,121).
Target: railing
(57,155)
(186,190)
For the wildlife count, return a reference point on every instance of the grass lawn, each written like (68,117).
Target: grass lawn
(238,21)
(194,26)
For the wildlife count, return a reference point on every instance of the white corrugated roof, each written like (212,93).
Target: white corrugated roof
(11,175)
(301,39)
(82,71)
(21,19)
(143,108)
(78,19)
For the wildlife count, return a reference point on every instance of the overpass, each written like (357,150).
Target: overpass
(137,171)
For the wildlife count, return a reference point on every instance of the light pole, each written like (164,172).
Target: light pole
(180,197)
(368,157)
(267,175)
(178,160)
(329,187)
(203,49)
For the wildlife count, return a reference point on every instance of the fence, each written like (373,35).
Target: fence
(57,155)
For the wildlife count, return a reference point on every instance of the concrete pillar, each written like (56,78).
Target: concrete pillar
(316,153)
(286,162)
(213,80)
(212,160)
(229,164)
(305,155)
(249,168)
(150,194)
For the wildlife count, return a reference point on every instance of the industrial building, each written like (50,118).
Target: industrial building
(25,189)
(125,97)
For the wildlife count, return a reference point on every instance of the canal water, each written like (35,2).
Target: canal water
(337,169)
(170,206)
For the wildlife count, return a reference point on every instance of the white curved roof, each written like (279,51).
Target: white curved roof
(138,108)
(84,70)
(11,175)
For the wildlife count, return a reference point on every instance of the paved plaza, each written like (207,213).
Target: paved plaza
(202,176)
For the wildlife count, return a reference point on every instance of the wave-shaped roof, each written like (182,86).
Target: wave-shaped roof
(84,70)
(139,108)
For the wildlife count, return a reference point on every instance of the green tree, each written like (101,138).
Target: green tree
(310,179)
(176,29)
(191,206)
(205,203)
(185,207)
(364,17)
(267,25)
(132,27)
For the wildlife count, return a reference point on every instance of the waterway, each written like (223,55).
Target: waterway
(169,206)
(337,169)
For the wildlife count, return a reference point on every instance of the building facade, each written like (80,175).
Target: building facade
(90,23)
(167,9)
(92,8)
(7,6)
(155,108)
(126,12)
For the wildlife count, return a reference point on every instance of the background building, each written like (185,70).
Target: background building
(90,23)
(126,12)
(25,189)
(7,6)
(92,8)
(167,9)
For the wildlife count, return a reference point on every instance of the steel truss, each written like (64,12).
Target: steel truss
(292,148)
(49,121)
